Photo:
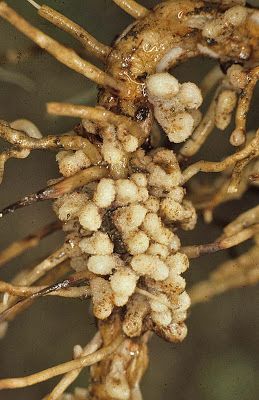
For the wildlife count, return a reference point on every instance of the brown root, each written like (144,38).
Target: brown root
(32,240)
(28,291)
(56,289)
(58,189)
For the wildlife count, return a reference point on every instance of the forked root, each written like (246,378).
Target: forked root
(60,369)
(57,289)
(226,188)
(71,376)
(69,287)
(251,149)
(52,142)
(61,53)
(246,219)
(46,265)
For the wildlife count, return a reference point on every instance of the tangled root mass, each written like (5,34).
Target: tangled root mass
(122,196)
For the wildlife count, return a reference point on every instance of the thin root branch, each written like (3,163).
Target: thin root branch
(238,136)
(12,153)
(32,240)
(201,133)
(8,314)
(240,272)
(210,80)
(31,294)
(34,4)
(63,54)
(236,176)
(239,180)
(132,8)
(96,114)
(208,166)
(221,244)
(56,190)
(246,219)
(71,376)
(52,142)
(46,265)
(89,42)
(37,291)
(61,369)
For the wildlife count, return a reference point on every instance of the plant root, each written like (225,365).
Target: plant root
(30,241)
(132,8)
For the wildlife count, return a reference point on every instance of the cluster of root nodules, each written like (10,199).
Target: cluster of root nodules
(122,228)
(123,232)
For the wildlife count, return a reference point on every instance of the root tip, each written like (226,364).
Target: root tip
(34,4)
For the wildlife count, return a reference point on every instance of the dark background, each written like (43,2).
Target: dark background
(219,360)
